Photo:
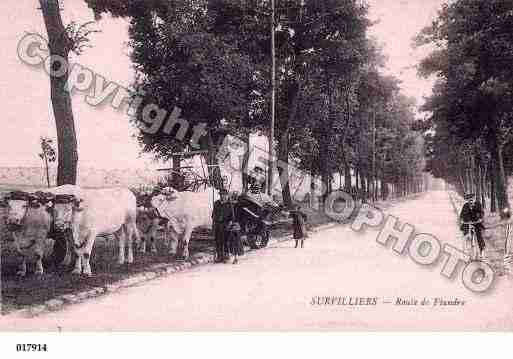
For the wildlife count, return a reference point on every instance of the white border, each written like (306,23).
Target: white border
(261,345)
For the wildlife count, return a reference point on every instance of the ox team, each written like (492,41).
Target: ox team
(35,220)
(84,213)
(69,219)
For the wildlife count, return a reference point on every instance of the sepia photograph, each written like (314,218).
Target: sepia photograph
(256,166)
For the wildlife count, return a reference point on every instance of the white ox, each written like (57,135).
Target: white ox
(28,222)
(100,212)
(184,211)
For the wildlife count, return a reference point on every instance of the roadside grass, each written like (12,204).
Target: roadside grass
(17,293)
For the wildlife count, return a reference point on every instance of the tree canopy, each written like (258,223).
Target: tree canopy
(335,110)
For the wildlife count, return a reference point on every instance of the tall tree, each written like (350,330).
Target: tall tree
(325,40)
(60,44)
(201,56)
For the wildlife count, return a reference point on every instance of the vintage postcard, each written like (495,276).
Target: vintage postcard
(256,165)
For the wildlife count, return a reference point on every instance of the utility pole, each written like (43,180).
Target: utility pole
(273,108)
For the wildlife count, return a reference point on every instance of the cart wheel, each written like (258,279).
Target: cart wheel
(253,241)
(63,255)
(265,238)
(261,239)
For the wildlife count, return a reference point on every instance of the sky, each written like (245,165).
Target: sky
(398,22)
(105,136)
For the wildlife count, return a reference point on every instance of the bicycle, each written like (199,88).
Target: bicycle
(471,238)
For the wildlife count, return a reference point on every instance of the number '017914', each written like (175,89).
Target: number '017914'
(31,348)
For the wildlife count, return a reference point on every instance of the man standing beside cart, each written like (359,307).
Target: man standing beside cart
(221,215)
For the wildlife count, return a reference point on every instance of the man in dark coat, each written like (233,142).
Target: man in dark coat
(221,215)
(472,211)
(233,230)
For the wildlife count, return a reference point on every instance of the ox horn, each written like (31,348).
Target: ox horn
(18,195)
(65,198)
(45,197)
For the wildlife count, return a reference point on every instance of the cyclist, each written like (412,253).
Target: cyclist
(472,211)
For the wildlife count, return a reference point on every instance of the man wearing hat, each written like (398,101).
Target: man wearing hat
(221,214)
(472,211)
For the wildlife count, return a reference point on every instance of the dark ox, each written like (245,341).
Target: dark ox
(28,220)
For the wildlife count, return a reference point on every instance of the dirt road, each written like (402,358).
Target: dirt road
(282,288)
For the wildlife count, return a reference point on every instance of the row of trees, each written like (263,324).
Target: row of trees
(469,129)
(336,113)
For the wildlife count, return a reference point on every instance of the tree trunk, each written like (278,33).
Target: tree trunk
(293,92)
(493,197)
(462,182)
(482,184)
(245,162)
(60,44)
(177,179)
(477,179)
(376,188)
(283,168)
(313,189)
(347,177)
(471,175)
(323,161)
(366,187)
(357,178)
(371,186)
(47,170)
(214,172)
(500,177)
